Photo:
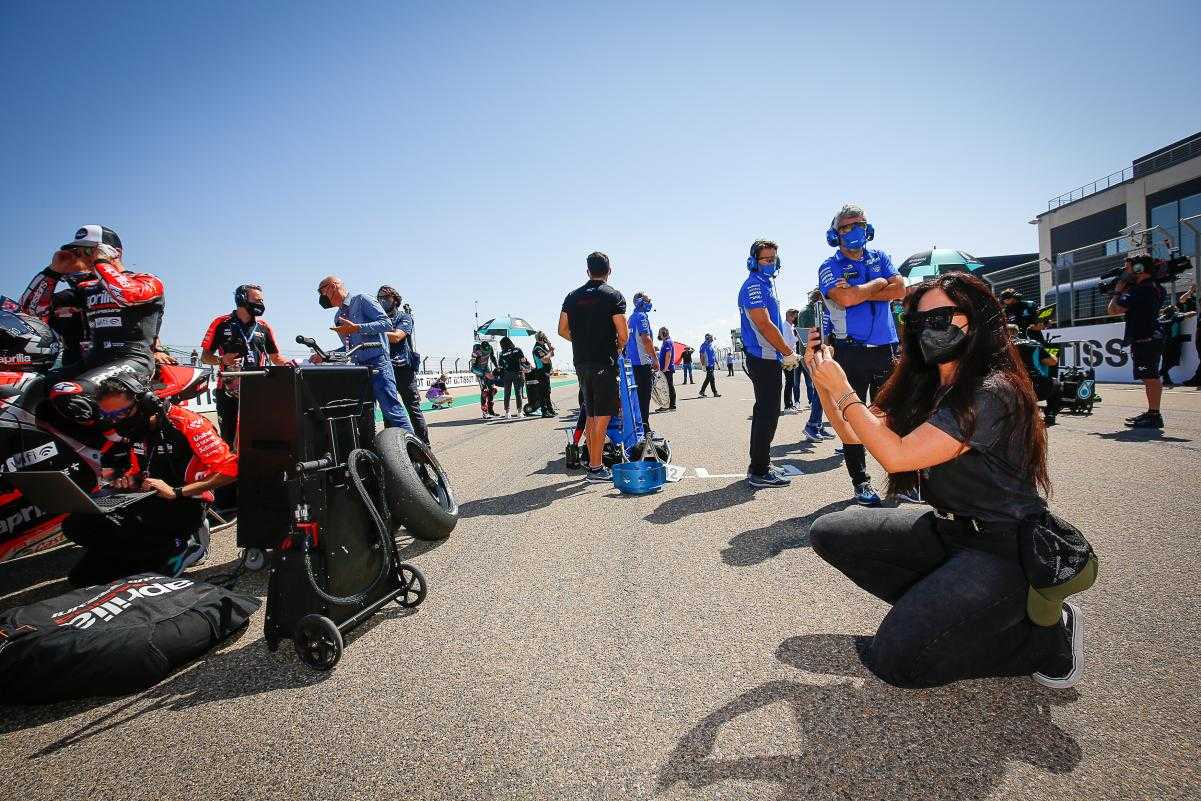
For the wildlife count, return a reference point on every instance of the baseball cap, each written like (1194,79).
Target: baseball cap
(89,236)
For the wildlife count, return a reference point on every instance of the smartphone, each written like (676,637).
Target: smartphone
(819,315)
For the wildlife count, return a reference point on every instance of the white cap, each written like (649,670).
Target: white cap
(90,236)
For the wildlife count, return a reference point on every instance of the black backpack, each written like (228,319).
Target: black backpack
(113,638)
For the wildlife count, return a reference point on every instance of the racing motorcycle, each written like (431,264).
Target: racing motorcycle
(34,436)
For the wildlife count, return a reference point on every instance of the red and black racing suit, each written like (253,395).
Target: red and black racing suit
(155,533)
(122,312)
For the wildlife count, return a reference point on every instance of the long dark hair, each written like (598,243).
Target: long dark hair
(908,397)
(506,343)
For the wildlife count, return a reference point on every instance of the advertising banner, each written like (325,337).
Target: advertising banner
(1101,347)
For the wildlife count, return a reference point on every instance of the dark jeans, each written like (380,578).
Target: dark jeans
(227,424)
(670,375)
(542,377)
(731,369)
(644,376)
(767,378)
(410,396)
(867,369)
(958,601)
(143,537)
(792,386)
(688,379)
(815,400)
(709,381)
(515,382)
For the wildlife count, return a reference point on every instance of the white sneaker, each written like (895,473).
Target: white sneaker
(1074,623)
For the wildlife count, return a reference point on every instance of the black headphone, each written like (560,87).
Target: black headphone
(242,293)
(147,402)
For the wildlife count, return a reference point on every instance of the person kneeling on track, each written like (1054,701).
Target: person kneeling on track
(168,449)
(121,311)
(959,415)
(439,395)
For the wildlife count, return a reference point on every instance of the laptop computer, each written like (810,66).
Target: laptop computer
(55,492)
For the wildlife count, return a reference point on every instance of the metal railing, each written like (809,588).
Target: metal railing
(1182,152)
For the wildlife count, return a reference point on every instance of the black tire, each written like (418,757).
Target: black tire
(318,642)
(419,494)
(412,581)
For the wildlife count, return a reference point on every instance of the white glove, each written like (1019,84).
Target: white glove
(791,361)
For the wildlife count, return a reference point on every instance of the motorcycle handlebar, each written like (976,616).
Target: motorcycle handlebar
(311,343)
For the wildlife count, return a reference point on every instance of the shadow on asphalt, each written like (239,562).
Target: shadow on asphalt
(758,545)
(466,421)
(858,737)
(1137,435)
(522,501)
(676,509)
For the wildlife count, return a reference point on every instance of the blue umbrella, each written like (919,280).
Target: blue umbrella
(506,327)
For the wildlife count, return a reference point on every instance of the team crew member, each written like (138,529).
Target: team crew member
(121,314)
(1017,311)
(361,319)
(405,360)
(686,365)
(667,364)
(543,352)
(792,378)
(640,353)
(709,363)
(483,362)
(730,364)
(958,415)
(512,373)
(857,285)
(766,352)
(1139,298)
(593,319)
(240,339)
(168,449)
(1039,362)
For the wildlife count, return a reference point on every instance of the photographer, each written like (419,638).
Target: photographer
(1139,298)
(959,416)
(169,449)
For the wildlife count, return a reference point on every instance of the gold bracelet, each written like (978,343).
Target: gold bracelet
(842,399)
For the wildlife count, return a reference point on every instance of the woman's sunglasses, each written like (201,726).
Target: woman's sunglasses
(938,319)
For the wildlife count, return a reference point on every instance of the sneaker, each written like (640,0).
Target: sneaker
(703,395)
(573,457)
(1138,417)
(716,395)
(192,553)
(910,496)
(866,495)
(1150,421)
(1074,624)
(838,449)
(828,434)
(515,416)
(599,476)
(813,434)
(772,479)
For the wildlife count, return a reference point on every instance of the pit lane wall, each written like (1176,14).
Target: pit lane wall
(1102,348)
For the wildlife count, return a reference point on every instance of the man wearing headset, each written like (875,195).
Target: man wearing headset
(640,352)
(1139,298)
(766,352)
(155,446)
(858,284)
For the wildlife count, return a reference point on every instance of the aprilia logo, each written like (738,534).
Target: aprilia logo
(116,599)
(9,524)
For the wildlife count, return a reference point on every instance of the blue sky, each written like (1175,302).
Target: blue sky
(468,151)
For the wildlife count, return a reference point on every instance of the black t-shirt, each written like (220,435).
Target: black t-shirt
(686,356)
(590,311)
(990,481)
(510,360)
(1142,302)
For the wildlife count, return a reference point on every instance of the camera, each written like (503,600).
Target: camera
(1161,270)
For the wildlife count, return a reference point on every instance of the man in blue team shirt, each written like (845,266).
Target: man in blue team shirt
(858,284)
(709,363)
(766,353)
(405,360)
(361,319)
(640,352)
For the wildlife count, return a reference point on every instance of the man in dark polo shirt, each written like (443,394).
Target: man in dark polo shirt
(593,320)
(1139,298)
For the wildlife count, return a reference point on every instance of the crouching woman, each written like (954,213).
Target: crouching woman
(958,420)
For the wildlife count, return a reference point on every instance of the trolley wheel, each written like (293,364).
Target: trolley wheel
(318,642)
(412,585)
(256,559)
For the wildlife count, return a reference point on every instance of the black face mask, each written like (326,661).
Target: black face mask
(940,347)
(324,302)
(133,427)
(254,309)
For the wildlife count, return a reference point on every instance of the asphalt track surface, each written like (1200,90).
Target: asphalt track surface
(686,645)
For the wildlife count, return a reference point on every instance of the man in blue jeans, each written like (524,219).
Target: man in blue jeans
(814,432)
(361,319)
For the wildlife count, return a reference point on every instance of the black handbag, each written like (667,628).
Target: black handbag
(1058,561)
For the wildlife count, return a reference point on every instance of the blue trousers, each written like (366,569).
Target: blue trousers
(815,401)
(383,382)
